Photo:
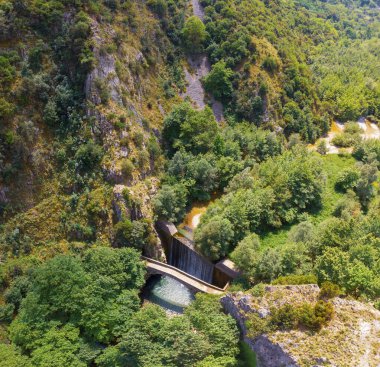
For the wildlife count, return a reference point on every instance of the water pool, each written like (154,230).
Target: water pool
(168,293)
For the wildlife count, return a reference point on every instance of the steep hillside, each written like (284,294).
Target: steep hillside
(298,63)
(82,106)
(114,114)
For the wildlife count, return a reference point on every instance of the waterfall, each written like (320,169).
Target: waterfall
(186,259)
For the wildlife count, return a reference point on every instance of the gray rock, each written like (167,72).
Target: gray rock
(268,354)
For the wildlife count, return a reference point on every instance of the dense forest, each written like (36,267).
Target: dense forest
(97,143)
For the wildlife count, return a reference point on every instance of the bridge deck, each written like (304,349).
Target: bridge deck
(189,280)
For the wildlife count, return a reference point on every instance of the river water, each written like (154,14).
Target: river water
(164,290)
(369,131)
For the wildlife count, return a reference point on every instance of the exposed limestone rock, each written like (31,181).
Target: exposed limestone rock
(105,70)
(351,339)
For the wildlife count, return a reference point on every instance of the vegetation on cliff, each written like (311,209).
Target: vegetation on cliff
(96,143)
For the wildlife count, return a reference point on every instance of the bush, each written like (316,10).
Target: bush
(219,81)
(284,318)
(89,155)
(294,279)
(194,34)
(258,290)
(348,179)
(158,6)
(270,64)
(316,317)
(6,108)
(138,139)
(257,326)
(345,140)
(364,149)
(322,147)
(352,128)
(170,203)
(289,317)
(127,168)
(329,290)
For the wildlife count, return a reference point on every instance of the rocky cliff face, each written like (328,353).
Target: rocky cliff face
(119,102)
(124,101)
(352,338)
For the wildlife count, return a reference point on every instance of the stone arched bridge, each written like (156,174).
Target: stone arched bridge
(157,267)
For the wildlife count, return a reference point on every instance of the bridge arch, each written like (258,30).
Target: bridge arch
(157,267)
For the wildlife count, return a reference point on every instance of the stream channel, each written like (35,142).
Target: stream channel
(163,290)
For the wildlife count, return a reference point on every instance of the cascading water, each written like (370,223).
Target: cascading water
(183,257)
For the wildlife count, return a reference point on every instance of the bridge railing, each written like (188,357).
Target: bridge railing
(185,274)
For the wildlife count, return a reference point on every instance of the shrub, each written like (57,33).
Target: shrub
(154,148)
(194,34)
(158,6)
(329,290)
(138,139)
(102,88)
(89,155)
(322,147)
(294,279)
(284,318)
(258,290)
(257,326)
(218,81)
(127,168)
(364,149)
(270,64)
(348,179)
(345,140)
(6,108)
(352,128)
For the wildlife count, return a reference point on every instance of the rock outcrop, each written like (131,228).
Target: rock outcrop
(351,339)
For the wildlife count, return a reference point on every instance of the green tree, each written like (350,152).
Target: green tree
(10,356)
(214,238)
(206,315)
(188,128)
(364,187)
(333,266)
(348,179)
(219,81)
(122,266)
(133,234)
(269,266)
(205,177)
(59,347)
(170,202)
(247,254)
(194,34)
(361,280)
